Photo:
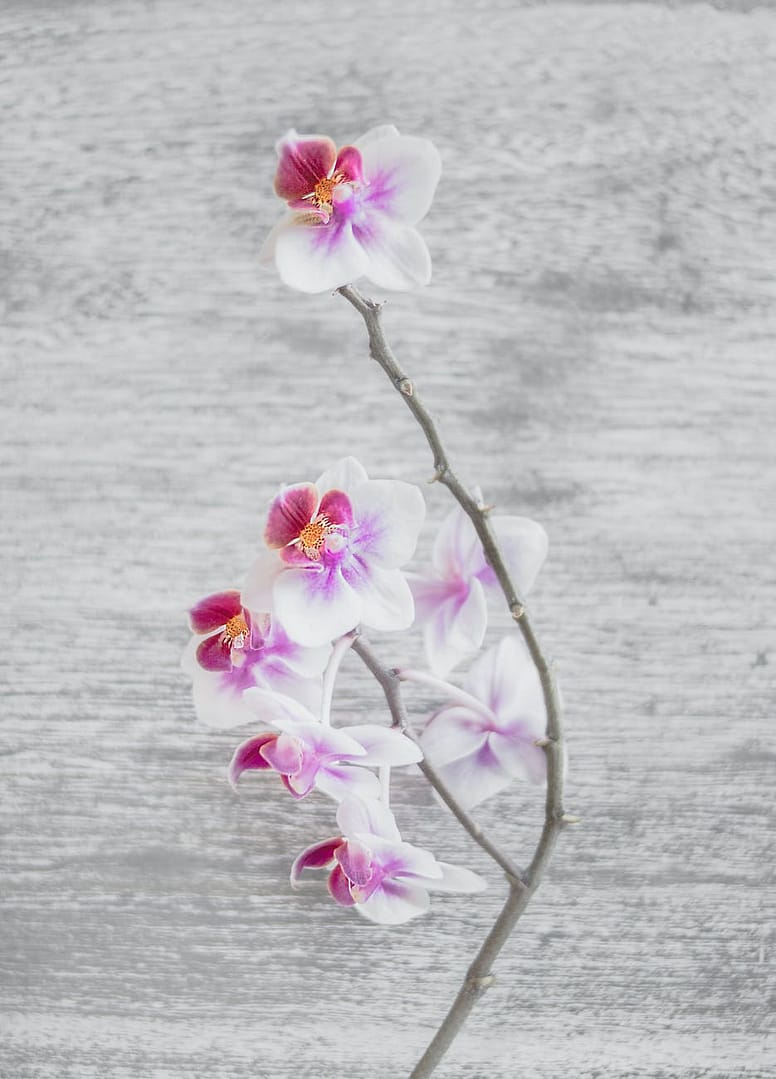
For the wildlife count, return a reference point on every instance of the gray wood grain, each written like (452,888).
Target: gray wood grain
(598,344)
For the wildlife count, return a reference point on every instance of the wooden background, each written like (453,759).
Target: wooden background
(598,344)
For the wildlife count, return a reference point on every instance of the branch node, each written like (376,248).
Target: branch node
(405,386)
(482,982)
(569,818)
(517,610)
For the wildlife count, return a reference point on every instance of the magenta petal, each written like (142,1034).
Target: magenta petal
(318,856)
(214,654)
(293,508)
(349,164)
(335,505)
(303,162)
(339,888)
(248,756)
(214,611)
(284,754)
(356,862)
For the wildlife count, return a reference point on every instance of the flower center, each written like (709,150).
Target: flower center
(322,193)
(236,632)
(311,537)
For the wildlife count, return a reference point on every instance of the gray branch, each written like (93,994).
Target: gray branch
(522,885)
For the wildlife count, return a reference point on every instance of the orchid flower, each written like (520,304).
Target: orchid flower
(353,210)
(336,547)
(450,602)
(308,753)
(487,736)
(233,649)
(387,880)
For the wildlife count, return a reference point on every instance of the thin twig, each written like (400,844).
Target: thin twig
(521,888)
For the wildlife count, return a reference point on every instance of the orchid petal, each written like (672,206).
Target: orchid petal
(214,654)
(218,700)
(524,546)
(289,512)
(456,878)
(339,781)
(356,816)
(318,856)
(313,257)
(520,756)
(277,708)
(403,859)
(384,596)
(349,164)
(390,514)
(284,753)
(213,612)
(339,887)
(257,589)
(506,679)
(304,160)
(395,902)
(456,628)
(355,858)
(402,172)
(316,605)
(453,733)
(248,756)
(345,475)
(336,506)
(397,254)
(385,745)
(333,743)
(474,778)
(457,550)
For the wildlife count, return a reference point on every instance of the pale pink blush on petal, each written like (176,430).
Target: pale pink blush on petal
(524,545)
(402,172)
(457,549)
(316,607)
(456,628)
(318,258)
(385,745)
(453,733)
(397,254)
(385,597)
(474,778)
(394,903)
(338,781)
(390,514)
(520,756)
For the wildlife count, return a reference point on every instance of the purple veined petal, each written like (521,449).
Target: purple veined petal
(457,627)
(248,756)
(520,756)
(524,545)
(257,589)
(356,816)
(289,512)
(457,550)
(277,708)
(389,515)
(304,662)
(429,593)
(474,778)
(506,679)
(335,505)
(312,257)
(402,172)
(318,856)
(456,878)
(345,475)
(338,781)
(304,160)
(395,902)
(316,606)
(403,859)
(385,745)
(213,612)
(397,255)
(384,596)
(453,733)
(334,743)
(214,654)
(218,699)
(349,164)
(339,887)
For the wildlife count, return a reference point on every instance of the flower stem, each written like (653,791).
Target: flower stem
(451,692)
(330,675)
(521,886)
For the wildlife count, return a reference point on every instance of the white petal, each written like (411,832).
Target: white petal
(456,628)
(385,745)
(357,816)
(279,679)
(385,598)
(520,756)
(474,778)
(318,258)
(396,254)
(340,782)
(374,134)
(257,588)
(389,515)
(506,680)
(395,902)
(457,879)
(403,172)
(276,708)
(217,703)
(524,546)
(345,475)
(316,607)
(457,551)
(451,734)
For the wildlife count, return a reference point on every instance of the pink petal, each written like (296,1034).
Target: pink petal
(290,511)
(390,515)
(403,859)
(339,887)
(356,861)
(397,254)
(336,506)
(318,856)
(214,611)
(349,164)
(214,654)
(248,756)
(316,605)
(395,902)
(312,257)
(304,160)
(385,745)
(402,172)
(283,753)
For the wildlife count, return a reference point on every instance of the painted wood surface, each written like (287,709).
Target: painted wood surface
(598,345)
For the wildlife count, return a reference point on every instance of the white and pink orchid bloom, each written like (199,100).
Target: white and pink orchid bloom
(450,602)
(488,735)
(336,548)
(353,210)
(386,879)
(233,650)
(307,754)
